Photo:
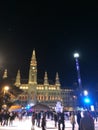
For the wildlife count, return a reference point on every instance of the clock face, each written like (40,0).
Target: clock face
(33,67)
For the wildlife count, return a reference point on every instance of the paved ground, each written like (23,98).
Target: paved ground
(26,125)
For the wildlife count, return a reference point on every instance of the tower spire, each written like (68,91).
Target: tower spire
(57,82)
(46,79)
(18,78)
(33,69)
(33,59)
(5,74)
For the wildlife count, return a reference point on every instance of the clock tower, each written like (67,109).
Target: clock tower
(33,69)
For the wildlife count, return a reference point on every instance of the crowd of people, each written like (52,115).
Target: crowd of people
(7,118)
(84,121)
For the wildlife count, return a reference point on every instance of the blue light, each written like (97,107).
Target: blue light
(86,100)
(28,107)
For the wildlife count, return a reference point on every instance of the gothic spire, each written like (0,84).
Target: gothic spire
(46,79)
(33,59)
(18,78)
(57,82)
(5,74)
(33,69)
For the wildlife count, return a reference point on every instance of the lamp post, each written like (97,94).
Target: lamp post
(76,56)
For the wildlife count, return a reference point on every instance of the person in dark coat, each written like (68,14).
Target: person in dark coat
(55,119)
(43,124)
(87,122)
(33,121)
(38,118)
(61,121)
(78,119)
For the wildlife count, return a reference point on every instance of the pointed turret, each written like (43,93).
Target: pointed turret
(33,69)
(57,81)
(33,59)
(46,79)
(5,74)
(18,78)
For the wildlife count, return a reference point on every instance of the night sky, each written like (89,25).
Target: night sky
(56,31)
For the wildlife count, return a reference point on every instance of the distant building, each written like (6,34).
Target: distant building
(42,92)
(38,92)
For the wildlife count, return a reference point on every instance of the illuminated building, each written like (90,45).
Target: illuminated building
(45,92)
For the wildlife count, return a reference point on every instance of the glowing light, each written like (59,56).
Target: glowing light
(76,55)
(6,88)
(85,92)
(28,107)
(86,100)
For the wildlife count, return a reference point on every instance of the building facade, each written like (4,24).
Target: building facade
(34,92)
(45,92)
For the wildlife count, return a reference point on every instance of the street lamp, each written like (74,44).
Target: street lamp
(6,88)
(76,56)
(85,92)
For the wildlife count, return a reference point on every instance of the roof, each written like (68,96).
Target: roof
(40,107)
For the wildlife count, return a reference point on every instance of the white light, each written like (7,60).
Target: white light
(31,104)
(85,92)
(76,55)
(92,108)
